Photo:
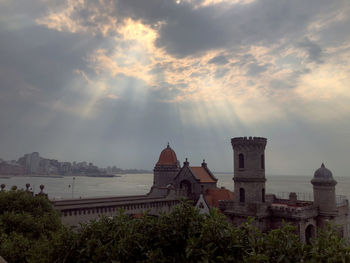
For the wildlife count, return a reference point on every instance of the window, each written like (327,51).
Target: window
(263,195)
(241,161)
(262,161)
(241,195)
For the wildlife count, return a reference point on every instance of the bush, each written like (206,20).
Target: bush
(27,223)
(30,231)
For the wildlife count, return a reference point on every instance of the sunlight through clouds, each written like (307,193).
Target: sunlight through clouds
(174,67)
(232,2)
(218,76)
(65,17)
(210,81)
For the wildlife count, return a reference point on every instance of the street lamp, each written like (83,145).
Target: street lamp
(73,187)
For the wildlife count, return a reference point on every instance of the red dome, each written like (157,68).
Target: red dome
(167,157)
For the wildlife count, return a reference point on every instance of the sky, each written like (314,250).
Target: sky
(113,81)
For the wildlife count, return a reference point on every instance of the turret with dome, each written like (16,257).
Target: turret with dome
(167,157)
(324,191)
(323,174)
(166,168)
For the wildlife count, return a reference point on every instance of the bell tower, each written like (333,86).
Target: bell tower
(166,168)
(249,169)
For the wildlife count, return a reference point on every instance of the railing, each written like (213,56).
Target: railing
(300,196)
(341,200)
(293,212)
(108,208)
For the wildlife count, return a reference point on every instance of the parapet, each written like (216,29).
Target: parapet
(238,142)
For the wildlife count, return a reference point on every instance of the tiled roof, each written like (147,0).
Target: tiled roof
(202,174)
(167,157)
(213,196)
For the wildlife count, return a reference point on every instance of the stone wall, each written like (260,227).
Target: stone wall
(78,211)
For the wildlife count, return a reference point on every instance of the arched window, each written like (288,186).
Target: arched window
(241,161)
(262,161)
(241,195)
(263,195)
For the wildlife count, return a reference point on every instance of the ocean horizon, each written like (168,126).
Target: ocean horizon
(138,184)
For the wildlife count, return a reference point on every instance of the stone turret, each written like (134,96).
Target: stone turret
(249,169)
(166,168)
(324,191)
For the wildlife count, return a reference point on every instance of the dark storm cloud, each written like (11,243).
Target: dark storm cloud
(190,30)
(41,60)
(186,30)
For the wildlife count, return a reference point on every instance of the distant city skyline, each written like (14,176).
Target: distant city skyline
(112,82)
(33,163)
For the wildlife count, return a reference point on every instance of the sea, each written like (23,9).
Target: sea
(138,184)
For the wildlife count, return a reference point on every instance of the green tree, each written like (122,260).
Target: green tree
(283,245)
(26,223)
(218,240)
(30,231)
(329,246)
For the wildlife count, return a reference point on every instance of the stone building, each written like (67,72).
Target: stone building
(188,181)
(269,210)
(172,182)
(249,198)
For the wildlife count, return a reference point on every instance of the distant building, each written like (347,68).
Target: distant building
(30,162)
(66,167)
(11,168)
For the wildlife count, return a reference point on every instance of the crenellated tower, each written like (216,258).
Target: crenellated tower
(249,169)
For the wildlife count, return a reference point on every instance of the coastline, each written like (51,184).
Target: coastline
(57,176)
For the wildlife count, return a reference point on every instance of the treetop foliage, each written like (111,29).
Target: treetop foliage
(30,231)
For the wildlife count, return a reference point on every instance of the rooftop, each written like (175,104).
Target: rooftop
(167,157)
(202,174)
(213,196)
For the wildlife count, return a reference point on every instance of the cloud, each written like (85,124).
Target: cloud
(90,72)
(255,69)
(220,60)
(314,51)
(167,43)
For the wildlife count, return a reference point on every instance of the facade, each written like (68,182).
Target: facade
(30,162)
(11,168)
(33,163)
(269,210)
(172,182)
(249,198)
(188,181)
